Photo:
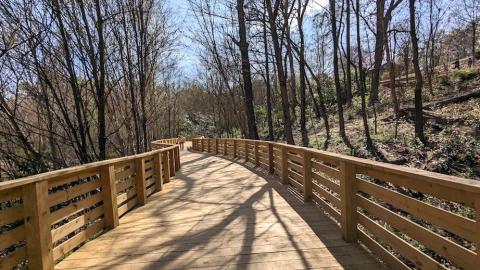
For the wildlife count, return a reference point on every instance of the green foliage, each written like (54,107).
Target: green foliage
(444,80)
(466,74)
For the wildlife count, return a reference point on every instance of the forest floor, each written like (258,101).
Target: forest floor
(452,130)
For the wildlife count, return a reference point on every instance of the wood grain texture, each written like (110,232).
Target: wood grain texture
(218,214)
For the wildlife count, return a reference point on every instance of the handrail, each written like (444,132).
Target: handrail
(44,217)
(407,217)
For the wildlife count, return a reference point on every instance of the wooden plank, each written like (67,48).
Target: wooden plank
(123,185)
(140,181)
(294,157)
(149,182)
(109,194)
(37,225)
(477,223)
(150,190)
(158,172)
(12,237)
(296,167)
(307,176)
(298,177)
(400,246)
(11,214)
(433,189)
(67,194)
(128,206)
(77,240)
(459,225)
(324,156)
(177,160)
(149,167)
(382,253)
(126,196)
(171,159)
(326,182)
(348,208)
(14,259)
(166,167)
(59,181)
(296,184)
(327,195)
(77,223)
(125,173)
(74,208)
(326,207)
(256,152)
(10,194)
(443,246)
(271,168)
(326,169)
(148,234)
(234,148)
(283,165)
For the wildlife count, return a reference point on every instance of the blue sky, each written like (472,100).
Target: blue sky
(188,60)
(187,52)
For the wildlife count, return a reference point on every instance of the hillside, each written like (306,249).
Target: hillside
(453,130)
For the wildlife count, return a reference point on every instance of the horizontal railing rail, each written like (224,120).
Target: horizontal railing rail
(45,217)
(409,218)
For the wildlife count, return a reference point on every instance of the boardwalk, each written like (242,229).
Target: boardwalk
(218,214)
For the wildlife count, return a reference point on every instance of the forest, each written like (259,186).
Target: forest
(395,81)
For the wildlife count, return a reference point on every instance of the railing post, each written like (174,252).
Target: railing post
(203,147)
(157,166)
(177,160)
(347,201)
(284,162)
(171,164)
(208,145)
(109,193)
(246,150)
(271,167)
(234,148)
(225,151)
(166,166)
(216,146)
(255,145)
(477,223)
(140,181)
(37,226)
(307,175)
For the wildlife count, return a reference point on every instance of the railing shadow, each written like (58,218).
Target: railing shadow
(196,179)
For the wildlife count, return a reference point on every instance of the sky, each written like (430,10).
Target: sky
(188,51)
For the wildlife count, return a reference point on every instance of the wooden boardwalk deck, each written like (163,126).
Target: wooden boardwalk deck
(218,214)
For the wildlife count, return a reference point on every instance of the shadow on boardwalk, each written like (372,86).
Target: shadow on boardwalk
(221,214)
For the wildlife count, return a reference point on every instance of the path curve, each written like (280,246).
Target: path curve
(220,214)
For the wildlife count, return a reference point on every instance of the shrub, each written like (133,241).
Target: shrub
(466,74)
(444,80)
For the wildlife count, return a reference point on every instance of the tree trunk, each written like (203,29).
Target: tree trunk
(267,79)
(338,88)
(348,90)
(419,122)
(301,62)
(246,74)
(361,82)
(287,123)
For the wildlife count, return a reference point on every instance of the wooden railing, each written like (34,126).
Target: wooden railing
(45,217)
(409,218)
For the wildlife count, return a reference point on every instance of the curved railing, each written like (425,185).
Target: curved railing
(45,217)
(407,217)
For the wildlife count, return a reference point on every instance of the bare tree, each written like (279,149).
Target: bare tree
(419,122)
